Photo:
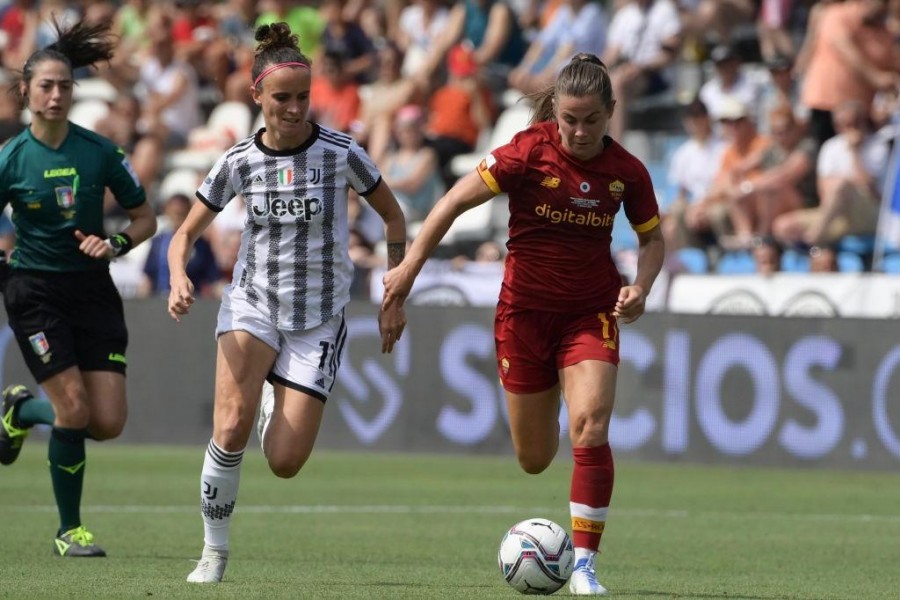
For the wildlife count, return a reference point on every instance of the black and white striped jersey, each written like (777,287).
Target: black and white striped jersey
(293,264)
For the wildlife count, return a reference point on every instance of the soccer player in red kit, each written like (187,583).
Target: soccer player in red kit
(556,326)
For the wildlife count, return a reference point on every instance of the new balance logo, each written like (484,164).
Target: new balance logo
(550,182)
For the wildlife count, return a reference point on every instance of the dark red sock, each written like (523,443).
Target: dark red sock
(592,484)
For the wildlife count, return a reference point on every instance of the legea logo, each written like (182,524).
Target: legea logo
(590,219)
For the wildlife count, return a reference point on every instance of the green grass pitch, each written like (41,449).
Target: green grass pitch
(411,526)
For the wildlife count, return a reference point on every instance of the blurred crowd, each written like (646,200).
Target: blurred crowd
(779,115)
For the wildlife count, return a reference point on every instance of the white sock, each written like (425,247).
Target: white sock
(585,553)
(219,482)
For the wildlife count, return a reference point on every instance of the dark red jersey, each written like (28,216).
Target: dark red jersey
(561,218)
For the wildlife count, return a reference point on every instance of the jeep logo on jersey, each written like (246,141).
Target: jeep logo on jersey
(303,209)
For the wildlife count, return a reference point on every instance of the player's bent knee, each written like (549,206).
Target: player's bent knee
(534,464)
(286,467)
(106,431)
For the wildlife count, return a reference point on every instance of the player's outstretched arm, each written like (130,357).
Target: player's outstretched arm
(469,192)
(391,320)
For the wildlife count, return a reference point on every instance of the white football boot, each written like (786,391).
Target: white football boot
(584,580)
(210,567)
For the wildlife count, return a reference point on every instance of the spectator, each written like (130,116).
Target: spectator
(334,97)
(303,19)
(20,23)
(766,255)
(851,169)
(644,39)
(773,29)
(853,55)
(170,106)
(7,233)
(491,29)
(786,180)
(412,170)
(380,19)
(120,126)
(729,83)
(10,112)
(692,170)
(422,23)
(576,26)
(50,11)
(823,259)
(709,216)
(781,90)
(715,20)
(347,39)
(131,24)
(382,99)
(201,268)
(236,19)
(458,111)
(195,34)
(225,236)
(813,17)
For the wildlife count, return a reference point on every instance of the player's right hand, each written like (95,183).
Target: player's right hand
(397,284)
(181,297)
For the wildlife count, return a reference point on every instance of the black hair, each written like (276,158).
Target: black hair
(276,45)
(585,75)
(82,45)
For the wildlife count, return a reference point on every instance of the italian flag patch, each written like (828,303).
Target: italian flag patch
(285,176)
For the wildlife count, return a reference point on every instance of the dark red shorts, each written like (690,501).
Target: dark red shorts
(533,345)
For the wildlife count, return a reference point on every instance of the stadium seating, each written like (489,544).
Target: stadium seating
(736,262)
(891,264)
(179,181)
(94,88)
(693,260)
(227,123)
(793,261)
(88,112)
(511,121)
(850,262)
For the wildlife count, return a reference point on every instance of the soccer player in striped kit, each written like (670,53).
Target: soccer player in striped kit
(556,326)
(282,318)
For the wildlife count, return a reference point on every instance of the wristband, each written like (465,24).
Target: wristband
(121,244)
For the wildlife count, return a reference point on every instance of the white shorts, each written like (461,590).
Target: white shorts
(307,361)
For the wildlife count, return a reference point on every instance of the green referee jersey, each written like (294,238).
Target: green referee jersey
(53,192)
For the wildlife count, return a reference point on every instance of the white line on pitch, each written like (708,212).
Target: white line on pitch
(439,509)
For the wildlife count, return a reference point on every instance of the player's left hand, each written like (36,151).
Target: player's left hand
(631,303)
(391,322)
(94,246)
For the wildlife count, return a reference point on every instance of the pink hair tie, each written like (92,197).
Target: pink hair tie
(275,67)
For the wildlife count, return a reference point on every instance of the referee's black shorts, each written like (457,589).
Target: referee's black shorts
(62,320)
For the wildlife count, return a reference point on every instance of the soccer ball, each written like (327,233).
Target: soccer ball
(536,556)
